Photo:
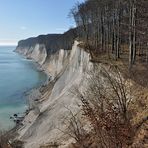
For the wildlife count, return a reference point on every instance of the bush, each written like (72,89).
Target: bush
(105,104)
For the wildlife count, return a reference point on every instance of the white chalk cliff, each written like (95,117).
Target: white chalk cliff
(68,67)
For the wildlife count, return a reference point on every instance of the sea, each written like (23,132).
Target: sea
(17,76)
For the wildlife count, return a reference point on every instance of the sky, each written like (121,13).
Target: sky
(20,19)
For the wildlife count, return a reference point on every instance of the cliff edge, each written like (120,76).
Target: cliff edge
(67,68)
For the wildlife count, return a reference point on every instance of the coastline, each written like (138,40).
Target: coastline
(48,112)
(18,77)
(28,93)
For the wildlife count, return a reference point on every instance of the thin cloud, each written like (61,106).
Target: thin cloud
(23,27)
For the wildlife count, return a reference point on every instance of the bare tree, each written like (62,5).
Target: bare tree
(107,25)
(105,104)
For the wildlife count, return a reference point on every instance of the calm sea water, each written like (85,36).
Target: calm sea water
(17,75)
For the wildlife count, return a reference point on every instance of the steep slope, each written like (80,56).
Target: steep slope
(47,122)
(69,66)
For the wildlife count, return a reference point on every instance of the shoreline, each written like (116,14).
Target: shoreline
(28,93)
(66,67)
(18,76)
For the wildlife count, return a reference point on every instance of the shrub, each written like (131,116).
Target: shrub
(105,103)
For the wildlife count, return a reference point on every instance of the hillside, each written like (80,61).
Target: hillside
(52,42)
(48,122)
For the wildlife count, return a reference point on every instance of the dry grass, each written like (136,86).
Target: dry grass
(139,110)
(50,145)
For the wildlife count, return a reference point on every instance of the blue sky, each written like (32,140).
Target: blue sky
(20,19)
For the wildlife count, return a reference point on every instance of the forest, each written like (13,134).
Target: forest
(118,28)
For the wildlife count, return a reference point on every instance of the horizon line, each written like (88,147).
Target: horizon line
(8,43)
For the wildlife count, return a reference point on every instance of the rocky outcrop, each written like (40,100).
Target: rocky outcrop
(41,48)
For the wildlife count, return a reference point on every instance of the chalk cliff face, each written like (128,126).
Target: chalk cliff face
(41,49)
(36,52)
(68,68)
